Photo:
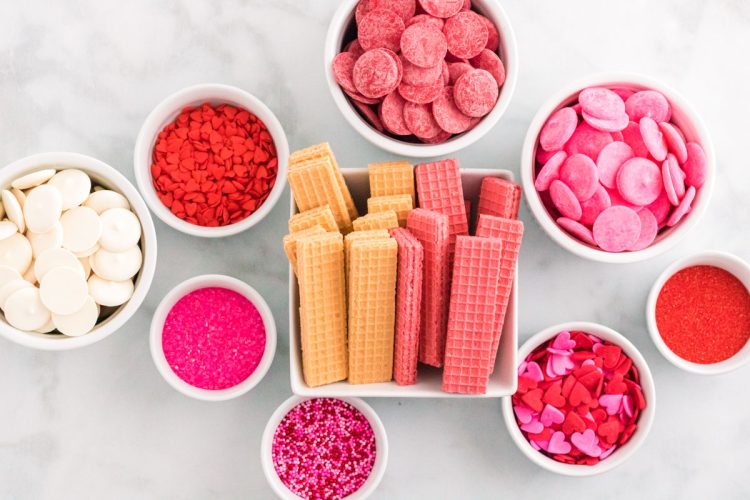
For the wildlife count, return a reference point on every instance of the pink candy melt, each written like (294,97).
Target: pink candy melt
(213,338)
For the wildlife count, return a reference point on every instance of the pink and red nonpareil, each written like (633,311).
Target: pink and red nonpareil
(578,398)
(614,169)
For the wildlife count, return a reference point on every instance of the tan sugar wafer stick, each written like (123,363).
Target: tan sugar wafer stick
(372,302)
(372,234)
(391,178)
(321,216)
(379,220)
(320,264)
(401,204)
(314,185)
(290,243)
(324,151)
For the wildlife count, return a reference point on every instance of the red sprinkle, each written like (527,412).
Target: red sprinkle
(213,338)
(323,449)
(703,314)
(214,165)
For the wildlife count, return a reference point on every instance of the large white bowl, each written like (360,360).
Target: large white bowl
(165,113)
(682,114)
(157,327)
(731,263)
(502,382)
(381,448)
(337,31)
(104,175)
(645,420)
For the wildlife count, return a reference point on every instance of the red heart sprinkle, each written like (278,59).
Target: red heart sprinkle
(573,423)
(533,399)
(579,394)
(553,395)
(609,430)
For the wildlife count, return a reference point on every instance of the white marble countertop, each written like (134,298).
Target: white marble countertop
(100,422)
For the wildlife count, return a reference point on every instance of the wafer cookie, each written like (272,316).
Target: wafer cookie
(372,234)
(401,204)
(391,178)
(290,243)
(320,264)
(440,189)
(321,216)
(379,220)
(471,320)
(372,309)
(432,231)
(408,305)
(510,231)
(314,185)
(499,197)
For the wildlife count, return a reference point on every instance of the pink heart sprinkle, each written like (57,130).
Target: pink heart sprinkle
(535,445)
(534,372)
(561,365)
(586,442)
(607,453)
(522,367)
(612,402)
(558,445)
(523,414)
(627,405)
(596,340)
(561,352)
(533,427)
(589,417)
(588,362)
(551,415)
(563,341)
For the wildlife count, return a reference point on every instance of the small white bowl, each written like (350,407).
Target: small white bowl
(338,30)
(165,113)
(645,419)
(381,448)
(181,290)
(104,175)
(731,263)
(683,115)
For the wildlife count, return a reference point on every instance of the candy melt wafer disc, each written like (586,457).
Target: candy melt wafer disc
(80,322)
(24,309)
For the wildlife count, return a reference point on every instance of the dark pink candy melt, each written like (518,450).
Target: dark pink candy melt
(213,338)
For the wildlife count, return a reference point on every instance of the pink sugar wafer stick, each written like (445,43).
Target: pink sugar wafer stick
(432,230)
(511,233)
(439,189)
(471,320)
(408,306)
(499,197)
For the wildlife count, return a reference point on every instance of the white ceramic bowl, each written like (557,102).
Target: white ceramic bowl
(165,113)
(504,379)
(645,420)
(381,448)
(196,283)
(104,175)
(682,114)
(731,263)
(339,28)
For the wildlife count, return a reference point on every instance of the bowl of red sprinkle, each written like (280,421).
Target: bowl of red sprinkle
(213,337)
(698,313)
(585,400)
(324,448)
(210,160)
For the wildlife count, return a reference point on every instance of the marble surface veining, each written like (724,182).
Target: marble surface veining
(100,423)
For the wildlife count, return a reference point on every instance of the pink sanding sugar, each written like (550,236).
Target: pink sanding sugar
(213,338)
(323,449)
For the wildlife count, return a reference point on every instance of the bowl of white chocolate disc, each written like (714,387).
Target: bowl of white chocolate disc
(77,250)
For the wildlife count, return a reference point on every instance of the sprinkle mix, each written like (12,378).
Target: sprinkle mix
(578,398)
(324,449)
(213,338)
(703,314)
(214,165)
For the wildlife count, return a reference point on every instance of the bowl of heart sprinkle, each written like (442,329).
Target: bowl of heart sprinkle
(324,448)
(579,402)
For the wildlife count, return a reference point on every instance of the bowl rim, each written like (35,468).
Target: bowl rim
(645,421)
(63,160)
(381,446)
(170,299)
(492,10)
(724,260)
(568,242)
(164,113)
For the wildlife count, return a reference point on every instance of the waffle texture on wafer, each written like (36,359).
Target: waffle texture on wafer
(372,234)
(321,216)
(314,185)
(380,220)
(510,231)
(391,178)
(471,320)
(372,309)
(432,231)
(440,189)
(408,306)
(401,204)
(290,243)
(499,197)
(320,266)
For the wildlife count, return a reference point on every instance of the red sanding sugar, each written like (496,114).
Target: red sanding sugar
(213,338)
(214,165)
(703,314)
(323,449)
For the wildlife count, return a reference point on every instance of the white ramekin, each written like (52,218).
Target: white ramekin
(104,175)
(196,283)
(645,420)
(165,112)
(338,29)
(731,263)
(381,448)
(683,115)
